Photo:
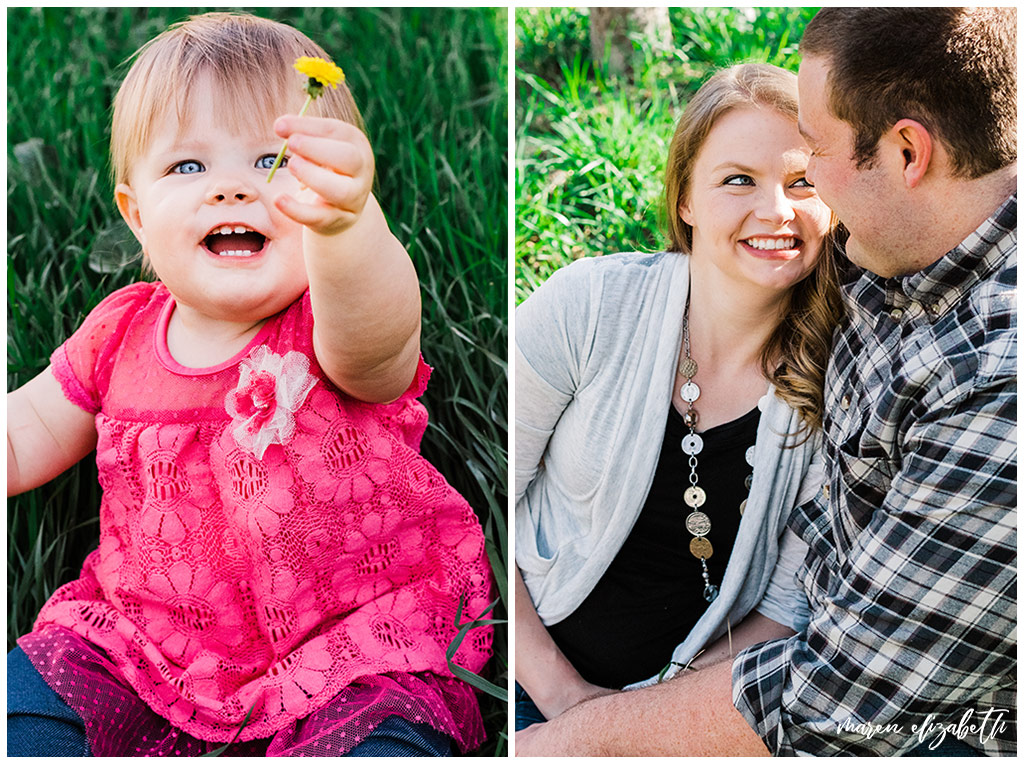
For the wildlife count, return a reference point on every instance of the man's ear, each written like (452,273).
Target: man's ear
(915,144)
(128,206)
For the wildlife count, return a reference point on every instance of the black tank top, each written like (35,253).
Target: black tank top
(653,592)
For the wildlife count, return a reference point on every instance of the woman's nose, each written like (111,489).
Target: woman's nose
(775,206)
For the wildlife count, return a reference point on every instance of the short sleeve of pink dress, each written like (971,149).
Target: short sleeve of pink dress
(268,544)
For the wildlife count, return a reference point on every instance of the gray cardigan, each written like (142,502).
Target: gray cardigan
(595,361)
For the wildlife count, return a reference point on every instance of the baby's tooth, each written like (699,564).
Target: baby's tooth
(240,229)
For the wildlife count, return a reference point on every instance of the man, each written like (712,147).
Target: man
(911,573)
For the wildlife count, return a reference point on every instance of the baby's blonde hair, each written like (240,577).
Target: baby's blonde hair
(249,60)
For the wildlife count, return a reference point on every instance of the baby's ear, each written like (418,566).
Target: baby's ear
(128,205)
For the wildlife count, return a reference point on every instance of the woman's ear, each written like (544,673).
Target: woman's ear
(128,206)
(684,212)
(915,145)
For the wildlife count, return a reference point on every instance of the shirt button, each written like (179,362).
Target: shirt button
(934,309)
(824,491)
(896,314)
(844,404)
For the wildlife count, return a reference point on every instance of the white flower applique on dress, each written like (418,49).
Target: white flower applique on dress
(270,389)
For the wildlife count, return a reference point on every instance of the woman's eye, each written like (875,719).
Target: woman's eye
(738,180)
(188,167)
(266,161)
(803,183)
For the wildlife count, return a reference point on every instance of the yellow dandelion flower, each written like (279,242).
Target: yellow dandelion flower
(321,74)
(325,72)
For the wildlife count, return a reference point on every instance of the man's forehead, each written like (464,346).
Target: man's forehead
(811,84)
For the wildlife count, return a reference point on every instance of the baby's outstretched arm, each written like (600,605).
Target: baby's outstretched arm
(46,433)
(364,290)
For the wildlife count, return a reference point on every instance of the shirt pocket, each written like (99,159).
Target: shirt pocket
(864,483)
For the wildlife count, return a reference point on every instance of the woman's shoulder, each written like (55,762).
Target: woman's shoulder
(622,265)
(608,279)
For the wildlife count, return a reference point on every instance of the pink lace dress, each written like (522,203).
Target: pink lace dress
(268,546)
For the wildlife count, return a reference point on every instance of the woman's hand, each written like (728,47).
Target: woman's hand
(334,161)
(553,684)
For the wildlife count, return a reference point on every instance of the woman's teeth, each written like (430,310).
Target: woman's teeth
(772,243)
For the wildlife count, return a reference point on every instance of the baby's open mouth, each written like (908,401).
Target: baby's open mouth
(234,241)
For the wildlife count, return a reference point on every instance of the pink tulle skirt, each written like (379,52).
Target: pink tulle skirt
(119,723)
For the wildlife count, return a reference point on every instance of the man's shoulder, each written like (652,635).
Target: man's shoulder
(990,316)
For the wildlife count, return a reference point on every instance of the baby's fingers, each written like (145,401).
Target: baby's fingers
(343,157)
(317,215)
(346,192)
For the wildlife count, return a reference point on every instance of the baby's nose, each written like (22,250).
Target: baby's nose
(231,190)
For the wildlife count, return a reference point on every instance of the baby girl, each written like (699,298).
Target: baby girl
(277,566)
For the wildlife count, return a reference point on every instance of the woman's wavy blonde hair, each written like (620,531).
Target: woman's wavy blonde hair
(795,356)
(250,61)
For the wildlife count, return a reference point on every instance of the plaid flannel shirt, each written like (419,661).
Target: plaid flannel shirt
(911,572)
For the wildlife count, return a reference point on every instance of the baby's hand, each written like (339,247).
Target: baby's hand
(333,160)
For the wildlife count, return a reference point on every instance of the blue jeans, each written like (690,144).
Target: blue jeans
(527,712)
(40,723)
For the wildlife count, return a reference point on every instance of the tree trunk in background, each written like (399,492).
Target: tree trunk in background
(610,29)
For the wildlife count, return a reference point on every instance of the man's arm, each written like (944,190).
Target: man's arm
(691,715)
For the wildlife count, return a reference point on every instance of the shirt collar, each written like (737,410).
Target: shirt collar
(946,281)
(942,284)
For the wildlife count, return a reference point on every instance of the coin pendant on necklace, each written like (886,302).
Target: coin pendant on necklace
(698,523)
(692,444)
(694,496)
(689,392)
(701,548)
(688,368)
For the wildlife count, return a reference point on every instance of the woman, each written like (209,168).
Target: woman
(661,397)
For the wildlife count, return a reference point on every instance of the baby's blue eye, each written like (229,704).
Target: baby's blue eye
(803,183)
(266,161)
(738,180)
(188,167)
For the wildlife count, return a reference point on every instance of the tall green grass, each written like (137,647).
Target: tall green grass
(431,84)
(591,148)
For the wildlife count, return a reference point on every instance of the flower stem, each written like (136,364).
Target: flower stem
(284,146)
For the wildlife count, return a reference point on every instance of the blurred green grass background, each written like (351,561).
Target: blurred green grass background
(432,86)
(591,145)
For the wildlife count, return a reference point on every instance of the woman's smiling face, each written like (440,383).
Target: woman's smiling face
(754,215)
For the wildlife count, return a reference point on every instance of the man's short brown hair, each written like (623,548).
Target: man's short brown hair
(954,70)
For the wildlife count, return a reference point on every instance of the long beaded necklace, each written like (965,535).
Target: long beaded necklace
(697,522)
